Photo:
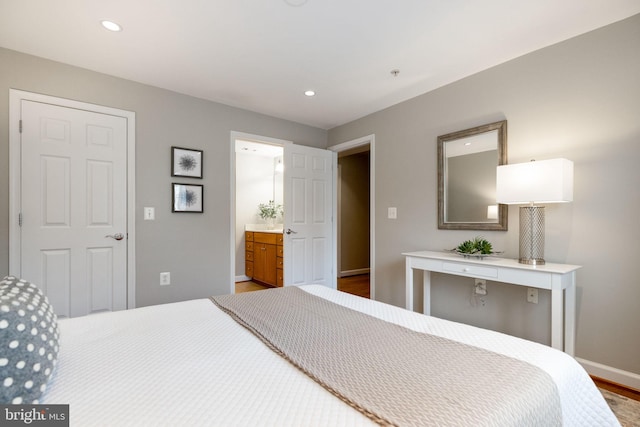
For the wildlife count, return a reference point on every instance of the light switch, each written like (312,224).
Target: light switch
(392,213)
(149,214)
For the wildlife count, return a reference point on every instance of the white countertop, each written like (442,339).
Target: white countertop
(263,228)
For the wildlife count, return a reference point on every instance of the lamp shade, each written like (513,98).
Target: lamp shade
(544,181)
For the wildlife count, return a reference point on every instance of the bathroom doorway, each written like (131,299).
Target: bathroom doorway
(258,181)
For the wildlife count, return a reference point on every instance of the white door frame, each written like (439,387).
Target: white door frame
(369,139)
(15,202)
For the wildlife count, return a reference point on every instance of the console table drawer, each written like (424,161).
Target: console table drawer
(469,269)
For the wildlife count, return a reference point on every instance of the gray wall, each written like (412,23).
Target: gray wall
(194,248)
(579,99)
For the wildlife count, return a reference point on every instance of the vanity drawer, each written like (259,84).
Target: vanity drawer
(248,255)
(268,238)
(248,246)
(280,278)
(248,269)
(470,270)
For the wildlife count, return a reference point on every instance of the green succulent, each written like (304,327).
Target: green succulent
(467,247)
(483,246)
(269,210)
(478,245)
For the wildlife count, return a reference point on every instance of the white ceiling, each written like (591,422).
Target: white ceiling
(258,148)
(261,55)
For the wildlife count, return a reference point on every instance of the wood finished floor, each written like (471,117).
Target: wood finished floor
(356,285)
(617,388)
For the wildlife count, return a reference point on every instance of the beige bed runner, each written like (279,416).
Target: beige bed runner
(394,375)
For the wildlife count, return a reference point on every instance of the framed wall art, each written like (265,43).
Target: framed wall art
(186,162)
(187,198)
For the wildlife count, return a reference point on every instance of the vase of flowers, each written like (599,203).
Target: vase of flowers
(269,212)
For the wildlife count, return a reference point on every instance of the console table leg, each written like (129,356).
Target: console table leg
(426,295)
(408,284)
(557,316)
(570,316)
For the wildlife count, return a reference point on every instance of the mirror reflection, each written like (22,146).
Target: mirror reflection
(467,162)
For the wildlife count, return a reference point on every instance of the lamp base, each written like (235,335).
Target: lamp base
(531,235)
(531,261)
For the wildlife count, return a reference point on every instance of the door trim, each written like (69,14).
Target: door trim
(371,140)
(15,201)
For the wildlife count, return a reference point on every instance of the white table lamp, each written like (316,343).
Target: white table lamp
(545,181)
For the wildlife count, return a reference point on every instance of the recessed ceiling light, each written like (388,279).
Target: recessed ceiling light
(309,93)
(111,26)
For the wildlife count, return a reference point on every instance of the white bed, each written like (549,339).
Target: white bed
(190,364)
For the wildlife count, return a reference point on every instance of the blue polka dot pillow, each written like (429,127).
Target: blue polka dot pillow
(28,341)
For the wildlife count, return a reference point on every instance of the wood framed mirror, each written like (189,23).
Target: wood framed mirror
(467,162)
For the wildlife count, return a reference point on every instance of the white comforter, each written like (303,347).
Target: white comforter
(190,364)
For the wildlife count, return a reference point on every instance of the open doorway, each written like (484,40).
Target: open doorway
(305,253)
(355,224)
(258,182)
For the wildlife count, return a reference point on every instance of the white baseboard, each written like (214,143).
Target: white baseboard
(615,375)
(242,278)
(354,272)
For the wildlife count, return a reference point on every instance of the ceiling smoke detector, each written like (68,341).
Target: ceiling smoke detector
(395,72)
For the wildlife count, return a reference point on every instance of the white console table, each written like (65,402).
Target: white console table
(560,279)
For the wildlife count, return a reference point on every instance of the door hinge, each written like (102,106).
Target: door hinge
(20,219)
(20,126)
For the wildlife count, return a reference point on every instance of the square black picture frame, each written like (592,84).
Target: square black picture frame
(186,162)
(187,198)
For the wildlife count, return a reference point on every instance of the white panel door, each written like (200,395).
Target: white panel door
(308,195)
(74,195)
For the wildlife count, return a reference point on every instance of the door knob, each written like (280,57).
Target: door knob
(117,236)
(290,231)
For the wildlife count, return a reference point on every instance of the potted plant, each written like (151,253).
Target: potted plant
(269,212)
(477,248)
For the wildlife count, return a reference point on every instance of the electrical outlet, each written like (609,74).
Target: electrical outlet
(532,295)
(165,279)
(481,287)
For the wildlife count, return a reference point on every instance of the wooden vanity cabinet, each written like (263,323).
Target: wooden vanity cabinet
(248,254)
(280,260)
(263,257)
